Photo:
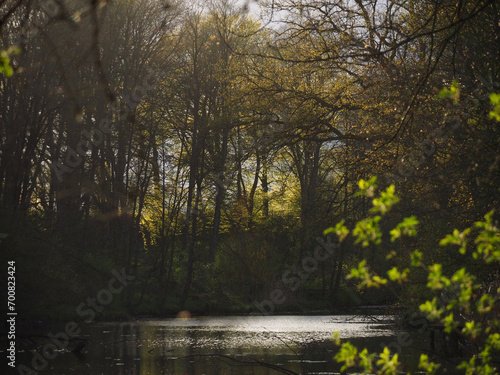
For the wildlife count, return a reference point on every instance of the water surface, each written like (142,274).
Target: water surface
(222,345)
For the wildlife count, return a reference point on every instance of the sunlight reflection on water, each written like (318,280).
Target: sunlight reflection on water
(248,331)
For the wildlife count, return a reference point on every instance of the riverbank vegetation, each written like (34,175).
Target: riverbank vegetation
(204,150)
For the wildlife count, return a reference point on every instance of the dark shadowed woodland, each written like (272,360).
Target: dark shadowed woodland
(204,148)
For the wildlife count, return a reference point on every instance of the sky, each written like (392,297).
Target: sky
(253,6)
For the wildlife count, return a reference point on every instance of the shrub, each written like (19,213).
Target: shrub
(456,300)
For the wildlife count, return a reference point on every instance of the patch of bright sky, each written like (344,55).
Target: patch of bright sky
(261,10)
(251,6)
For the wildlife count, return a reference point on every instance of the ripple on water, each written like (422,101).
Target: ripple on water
(259,331)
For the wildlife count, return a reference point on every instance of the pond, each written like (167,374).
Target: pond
(227,345)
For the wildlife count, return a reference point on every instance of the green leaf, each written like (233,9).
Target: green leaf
(431,310)
(328,231)
(5,60)
(387,199)
(366,361)
(348,354)
(472,329)
(368,231)
(426,365)
(416,258)
(488,240)
(495,101)
(388,365)
(485,304)
(340,230)
(408,227)
(435,279)
(456,238)
(336,338)
(397,276)
(494,341)
(367,188)
(367,279)
(449,323)
(453,92)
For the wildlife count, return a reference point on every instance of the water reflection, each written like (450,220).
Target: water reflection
(258,331)
(200,345)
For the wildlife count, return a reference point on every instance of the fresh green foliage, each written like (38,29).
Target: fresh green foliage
(5,60)
(495,101)
(340,230)
(425,364)
(453,92)
(397,276)
(416,258)
(430,308)
(350,355)
(386,200)
(347,354)
(368,231)
(468,309)
(488,241)
(388,364)
(367,279)
(456,238)
(408,227)
(367,188)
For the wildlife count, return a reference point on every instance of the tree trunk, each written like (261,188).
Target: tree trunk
(219,199)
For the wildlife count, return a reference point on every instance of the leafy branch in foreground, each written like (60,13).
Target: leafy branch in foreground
(469,307)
